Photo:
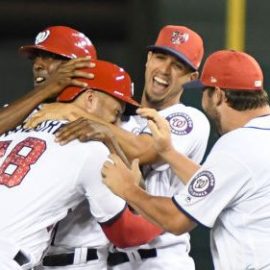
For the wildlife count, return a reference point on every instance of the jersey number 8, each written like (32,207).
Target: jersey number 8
(17,164)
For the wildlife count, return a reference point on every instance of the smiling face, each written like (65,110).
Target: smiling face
(164,79)
(44,65)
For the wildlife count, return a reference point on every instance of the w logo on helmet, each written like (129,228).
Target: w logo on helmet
(42,36)
(178,38)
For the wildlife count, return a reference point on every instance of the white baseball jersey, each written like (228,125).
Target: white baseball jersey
(231,195)
(189,132)
(78,231)
(41,180)
(8,264)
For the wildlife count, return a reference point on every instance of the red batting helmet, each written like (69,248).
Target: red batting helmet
(109,78)
(61,40)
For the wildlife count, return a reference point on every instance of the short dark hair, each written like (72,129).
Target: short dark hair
(246,100)
(242,100)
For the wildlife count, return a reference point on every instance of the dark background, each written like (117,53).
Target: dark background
(121,30)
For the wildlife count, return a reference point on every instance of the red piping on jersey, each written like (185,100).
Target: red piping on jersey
(130,230)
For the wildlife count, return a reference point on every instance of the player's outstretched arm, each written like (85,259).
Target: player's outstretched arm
(133,146)
(128,229)
(183,167)
(160,210)
(17,111)
(65,75)
(85,129)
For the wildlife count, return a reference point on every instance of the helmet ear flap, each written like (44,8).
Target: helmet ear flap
(63,41)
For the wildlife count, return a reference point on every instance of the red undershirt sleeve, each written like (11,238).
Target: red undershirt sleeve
(129,230)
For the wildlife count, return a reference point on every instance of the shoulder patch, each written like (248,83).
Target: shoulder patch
(202,184)
(180,123)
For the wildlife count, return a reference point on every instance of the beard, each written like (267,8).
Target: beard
(215,119)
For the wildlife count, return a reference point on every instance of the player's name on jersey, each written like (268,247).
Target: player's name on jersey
(49,126)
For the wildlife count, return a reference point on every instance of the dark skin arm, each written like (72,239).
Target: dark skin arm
(99,133)
(64,76)
(134,146)
(140,146)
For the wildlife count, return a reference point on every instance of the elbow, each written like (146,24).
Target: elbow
(176,231)
(130,235)
(130,230)
(122,241)
(116,237)
(173,229)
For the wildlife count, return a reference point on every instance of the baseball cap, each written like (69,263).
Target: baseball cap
(181,42)
(61,40)
(229,69)
(109,78)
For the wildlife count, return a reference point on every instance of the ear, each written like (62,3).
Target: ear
(194,75)
(89,99)
(149,55)
(220,96)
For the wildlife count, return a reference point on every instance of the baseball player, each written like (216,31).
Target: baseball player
(172,61)
(40,181)
(74,45)
(54,45)
(229,193)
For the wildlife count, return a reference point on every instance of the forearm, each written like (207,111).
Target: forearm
(183,166)
(136,146)
(160,210)
(18,110)
(114,148)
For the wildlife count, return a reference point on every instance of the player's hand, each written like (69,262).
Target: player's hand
(68,74)
(160,129)
(84,130)
(118,177)
(54,111)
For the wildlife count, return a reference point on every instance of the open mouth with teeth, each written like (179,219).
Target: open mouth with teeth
(39,80)
(159,84)
(161,81)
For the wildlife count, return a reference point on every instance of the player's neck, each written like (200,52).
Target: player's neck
(158,105)
(236,119)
